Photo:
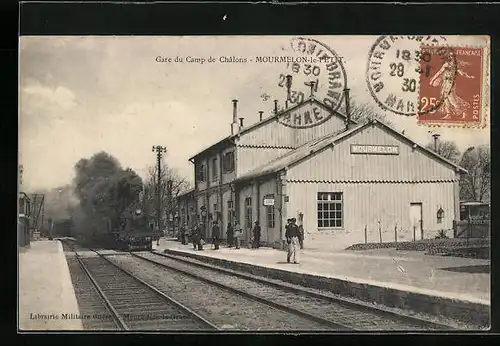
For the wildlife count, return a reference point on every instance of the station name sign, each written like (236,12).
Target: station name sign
(375,149)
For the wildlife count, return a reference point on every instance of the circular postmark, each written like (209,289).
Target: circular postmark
(316,70)
(399,66)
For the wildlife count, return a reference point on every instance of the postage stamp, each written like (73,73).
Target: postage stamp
(451,85)
(439,82)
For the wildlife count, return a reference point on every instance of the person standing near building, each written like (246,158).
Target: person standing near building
(256,235)
(292,238)
(194,235)
(237,234)
(183,234)
(201,235)
(230,234)
(301,230)
(216,235)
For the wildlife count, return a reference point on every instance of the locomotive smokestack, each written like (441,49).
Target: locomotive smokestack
(275,106)
(260,115)
(234,124)
(347,109)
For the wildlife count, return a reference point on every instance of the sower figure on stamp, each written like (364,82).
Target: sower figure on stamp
(256,235)
(216,235)
(292,238)
(445,78)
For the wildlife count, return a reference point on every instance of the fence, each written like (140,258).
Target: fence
(473,228)
(398,232)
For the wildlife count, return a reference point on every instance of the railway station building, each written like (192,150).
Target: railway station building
(345,182)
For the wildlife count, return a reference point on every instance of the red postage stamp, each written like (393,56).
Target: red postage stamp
(451,85)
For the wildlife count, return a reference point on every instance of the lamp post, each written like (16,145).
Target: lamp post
(159,153)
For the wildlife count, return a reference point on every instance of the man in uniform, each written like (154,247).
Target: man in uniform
(183,234)
(301,230)
(256,235)
(238,232)
(216,235)
(230,235)
(292,238)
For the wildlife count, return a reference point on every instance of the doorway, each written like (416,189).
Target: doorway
(416,220)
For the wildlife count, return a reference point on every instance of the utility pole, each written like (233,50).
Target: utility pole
(159,153)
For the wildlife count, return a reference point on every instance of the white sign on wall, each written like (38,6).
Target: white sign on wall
(375,149)
(268,200)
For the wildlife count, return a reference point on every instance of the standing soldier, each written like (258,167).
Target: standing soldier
(183,234)
(201,234)
(194,235)
(292,238)
(256,235)
(216,235)
(230,234)
(301,230)
(237,234)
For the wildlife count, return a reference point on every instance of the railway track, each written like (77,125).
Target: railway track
(126,302)
(330,311)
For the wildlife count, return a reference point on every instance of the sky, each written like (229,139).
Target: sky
(81,95)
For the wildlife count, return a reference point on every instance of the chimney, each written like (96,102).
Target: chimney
(275,106)
(436,142)
(347,108)
(234,124)
(260,115)
(241,122)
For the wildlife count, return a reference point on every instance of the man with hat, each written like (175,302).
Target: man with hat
(256,235)
(292,238)
(216,235)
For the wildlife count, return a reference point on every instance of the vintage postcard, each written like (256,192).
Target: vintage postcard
(254,183)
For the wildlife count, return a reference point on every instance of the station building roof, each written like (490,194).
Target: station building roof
(230,139)
(314,146)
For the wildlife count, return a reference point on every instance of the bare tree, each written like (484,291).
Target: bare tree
(447,149)
(171,185)
(476,184)
(363,111)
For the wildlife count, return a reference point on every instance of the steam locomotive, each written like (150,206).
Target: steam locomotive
(134,232)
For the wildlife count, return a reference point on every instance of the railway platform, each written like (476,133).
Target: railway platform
(47,300)
(449,286)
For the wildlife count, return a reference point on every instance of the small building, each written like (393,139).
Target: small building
(23,219)
(346,182)
(186,204)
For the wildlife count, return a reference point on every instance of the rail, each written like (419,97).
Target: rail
(297,291)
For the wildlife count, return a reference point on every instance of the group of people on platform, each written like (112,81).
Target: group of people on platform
(294,236)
